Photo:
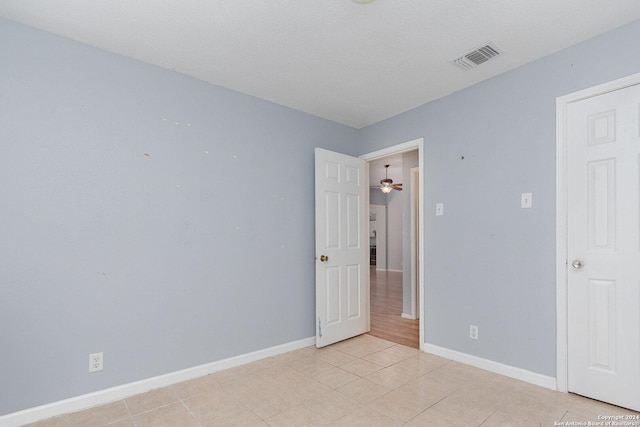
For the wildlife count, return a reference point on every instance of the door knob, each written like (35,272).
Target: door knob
(577,264)
(324,258)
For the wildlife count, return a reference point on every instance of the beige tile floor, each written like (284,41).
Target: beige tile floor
(365,381)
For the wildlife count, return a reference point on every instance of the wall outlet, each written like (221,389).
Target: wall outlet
(96,362)
(526,200)
(473,332)
(439,209)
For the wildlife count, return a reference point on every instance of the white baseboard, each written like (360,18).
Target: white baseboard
(408,316)
(490,365)
(101,397)
(390,270)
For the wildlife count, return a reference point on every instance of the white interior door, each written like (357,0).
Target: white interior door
(603,152)
(342,247)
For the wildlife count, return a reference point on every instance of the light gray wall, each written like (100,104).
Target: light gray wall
(394,230)
(487,261)
(377,197)
(377,201)
(200,251)
(394,211)
(380,241)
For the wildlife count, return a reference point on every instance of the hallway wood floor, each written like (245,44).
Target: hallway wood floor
(386,310)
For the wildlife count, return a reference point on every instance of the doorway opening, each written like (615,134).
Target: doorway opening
(396,245)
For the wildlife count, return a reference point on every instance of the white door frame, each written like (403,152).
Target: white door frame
(416,144)
(562,277)
(416,231)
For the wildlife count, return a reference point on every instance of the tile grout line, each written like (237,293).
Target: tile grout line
(189,411)
(126,405)
(490,415)
(432,405)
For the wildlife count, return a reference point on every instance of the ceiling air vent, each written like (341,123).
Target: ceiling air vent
(477,56)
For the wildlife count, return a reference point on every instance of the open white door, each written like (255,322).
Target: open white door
(342,247)
(603,152)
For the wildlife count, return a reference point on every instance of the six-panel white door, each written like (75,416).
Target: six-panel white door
(603,154)
(342,247)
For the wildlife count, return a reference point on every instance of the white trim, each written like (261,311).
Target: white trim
(408,316)
(398,149)
(101,397)
(415,232)
(388,269)
(562,104)
(495,367)
(561,247)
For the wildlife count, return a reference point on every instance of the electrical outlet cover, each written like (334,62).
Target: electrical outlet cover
(473,332)
(96,362)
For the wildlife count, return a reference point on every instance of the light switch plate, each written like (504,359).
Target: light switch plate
(439,209)
(526,200)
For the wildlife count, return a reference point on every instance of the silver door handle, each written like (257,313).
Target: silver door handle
(577,264)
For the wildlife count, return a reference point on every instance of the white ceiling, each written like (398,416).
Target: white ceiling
(351,63)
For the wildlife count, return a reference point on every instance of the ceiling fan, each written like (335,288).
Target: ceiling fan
(386,184)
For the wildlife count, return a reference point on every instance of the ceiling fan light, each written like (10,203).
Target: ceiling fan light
(385,184)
